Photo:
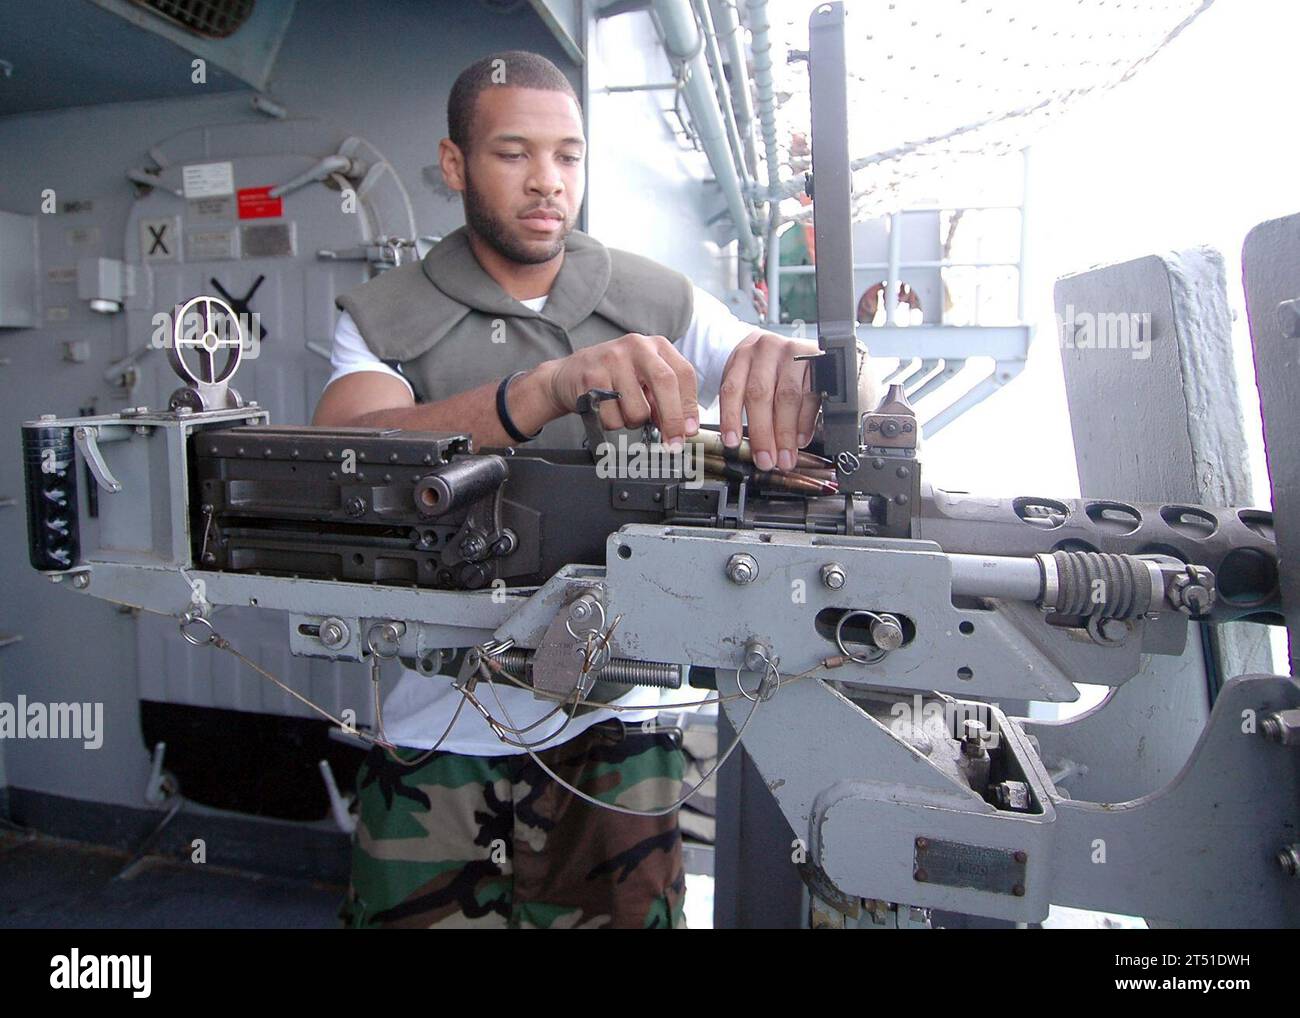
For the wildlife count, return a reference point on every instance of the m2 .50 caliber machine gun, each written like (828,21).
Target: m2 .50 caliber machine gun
(823,618)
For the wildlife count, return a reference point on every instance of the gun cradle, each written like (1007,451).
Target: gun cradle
(1075,591)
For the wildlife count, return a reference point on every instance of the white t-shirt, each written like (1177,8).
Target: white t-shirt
(420,707)
(711,336)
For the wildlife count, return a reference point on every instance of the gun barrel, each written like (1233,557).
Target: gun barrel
(1235,544)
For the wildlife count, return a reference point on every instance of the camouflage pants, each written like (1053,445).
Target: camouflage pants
(496,842)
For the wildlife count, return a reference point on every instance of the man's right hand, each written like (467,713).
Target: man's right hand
(653,380)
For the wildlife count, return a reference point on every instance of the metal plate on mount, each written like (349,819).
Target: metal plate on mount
(953,864)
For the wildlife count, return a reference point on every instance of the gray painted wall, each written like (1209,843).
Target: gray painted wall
(381,70)
(644,191)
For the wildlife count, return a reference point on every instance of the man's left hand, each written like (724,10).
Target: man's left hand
(774,391)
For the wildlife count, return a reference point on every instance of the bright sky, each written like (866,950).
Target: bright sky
(1194,150)
(938,77)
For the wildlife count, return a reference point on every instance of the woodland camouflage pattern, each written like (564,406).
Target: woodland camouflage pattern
(464,841)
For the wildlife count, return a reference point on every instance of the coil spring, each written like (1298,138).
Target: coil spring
(1122,580)
(619,670)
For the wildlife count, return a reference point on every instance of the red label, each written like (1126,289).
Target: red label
(256,203)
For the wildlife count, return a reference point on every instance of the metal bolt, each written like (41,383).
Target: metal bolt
(758,656)
(1192,592)
(1289,859)
(886,633)
(583,608)
(1113,629)
(972,738)
(334,632)
(1012,795)
(833,575)
(1108,632)
(474,574)
(1282,726)
(1197,599)
(742,568)
(1288,316)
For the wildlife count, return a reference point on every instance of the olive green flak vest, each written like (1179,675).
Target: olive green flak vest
(450,327)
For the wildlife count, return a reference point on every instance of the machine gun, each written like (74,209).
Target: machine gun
(857,641)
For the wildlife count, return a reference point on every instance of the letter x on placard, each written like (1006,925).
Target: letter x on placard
(157,239)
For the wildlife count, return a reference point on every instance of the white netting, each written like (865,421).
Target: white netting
(933,83)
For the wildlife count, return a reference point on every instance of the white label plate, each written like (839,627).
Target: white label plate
(204,180)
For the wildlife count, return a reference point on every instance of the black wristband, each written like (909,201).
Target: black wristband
(503,411)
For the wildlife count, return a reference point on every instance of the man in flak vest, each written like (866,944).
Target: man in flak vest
(497,331)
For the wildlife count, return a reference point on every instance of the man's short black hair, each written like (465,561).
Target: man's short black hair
(512,69)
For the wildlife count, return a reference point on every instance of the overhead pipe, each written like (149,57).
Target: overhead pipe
(728,25)
(761,45)
(683,41)
(773,265)
(714,54)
